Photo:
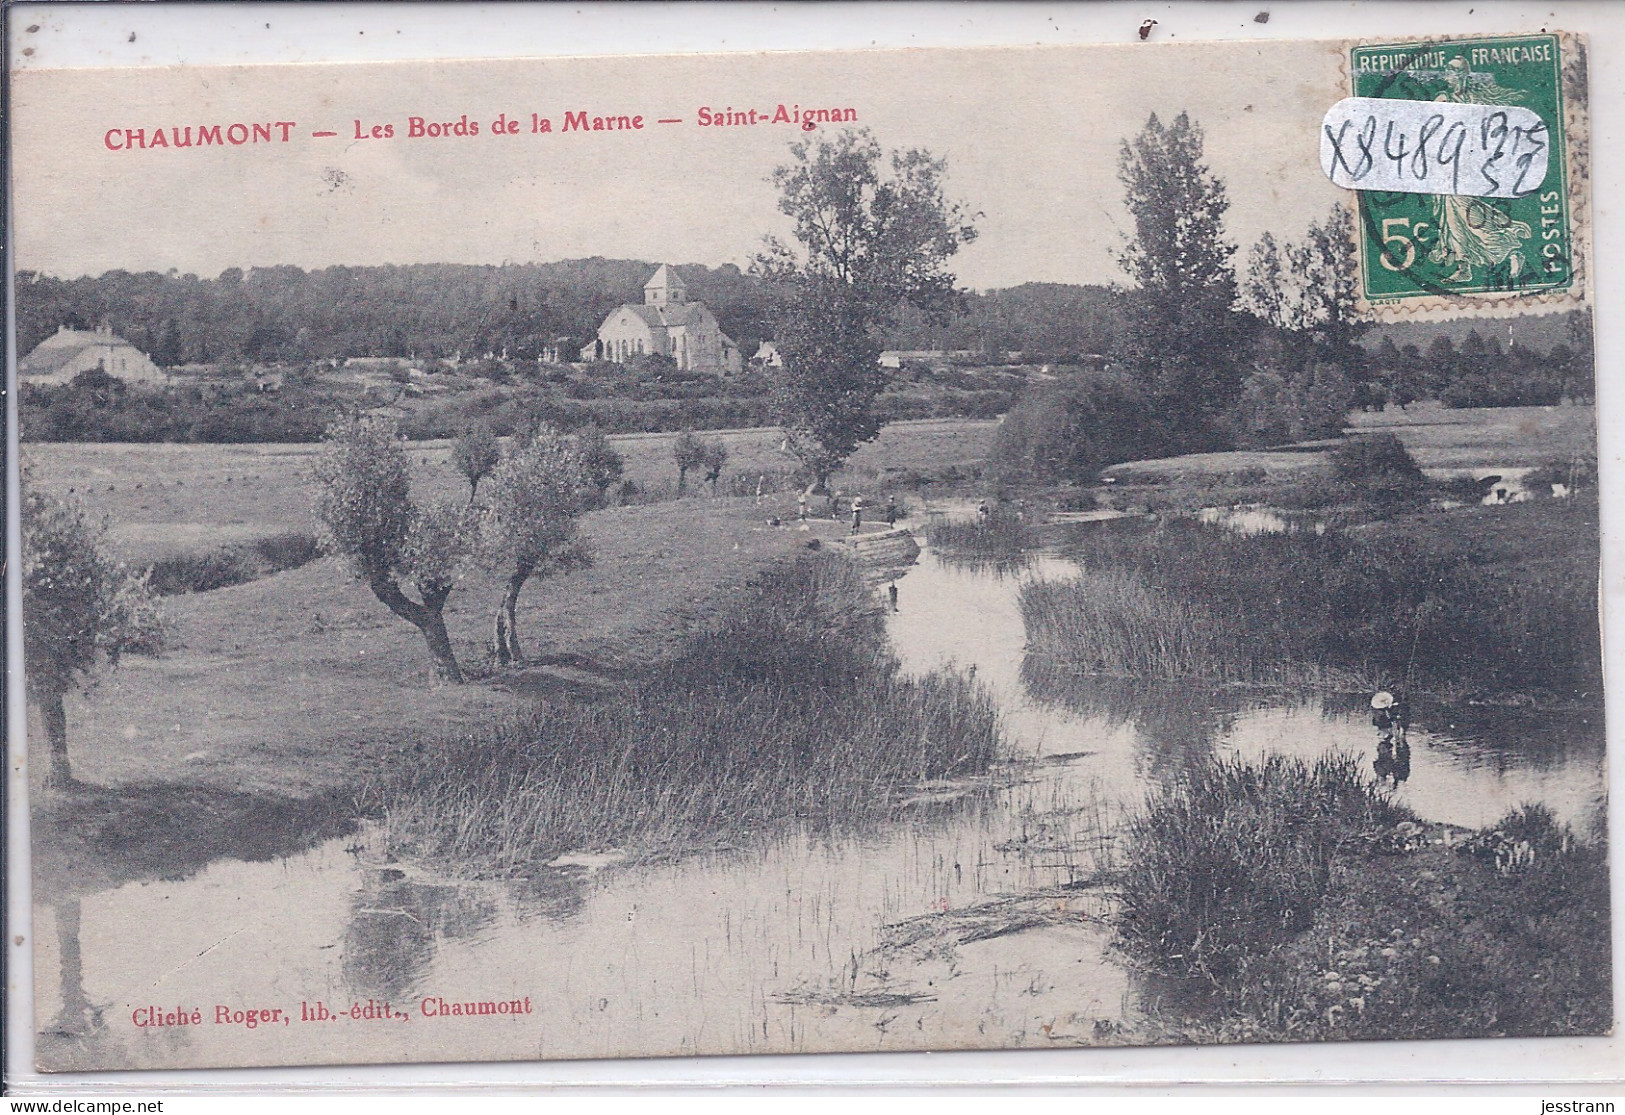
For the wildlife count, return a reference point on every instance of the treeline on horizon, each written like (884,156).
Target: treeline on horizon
(286,315)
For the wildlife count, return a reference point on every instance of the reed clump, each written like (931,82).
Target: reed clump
(1499,933)
(1232,857)
(1001,541)
(1194,600)
(788,707)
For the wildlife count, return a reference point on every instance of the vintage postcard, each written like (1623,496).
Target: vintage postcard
(879,550)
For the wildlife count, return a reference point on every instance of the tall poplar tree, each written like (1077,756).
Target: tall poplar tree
(1183,325)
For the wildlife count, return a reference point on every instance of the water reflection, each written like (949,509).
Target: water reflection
(77,1035)
(1175,724)
(397,923)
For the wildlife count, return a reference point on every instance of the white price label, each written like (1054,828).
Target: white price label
(1434,147)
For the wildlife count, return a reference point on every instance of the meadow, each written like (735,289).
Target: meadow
(293,682)
(1439,438)
(163,500)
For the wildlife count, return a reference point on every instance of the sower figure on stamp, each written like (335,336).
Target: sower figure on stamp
(1471,232)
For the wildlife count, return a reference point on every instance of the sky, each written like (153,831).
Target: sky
(1031,137)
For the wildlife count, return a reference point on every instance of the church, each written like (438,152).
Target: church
(667,324)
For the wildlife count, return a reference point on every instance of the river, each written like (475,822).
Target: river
(969,921)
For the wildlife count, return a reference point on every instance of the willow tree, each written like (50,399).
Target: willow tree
(366,509)
(873,232)
(529,515)
(82,610)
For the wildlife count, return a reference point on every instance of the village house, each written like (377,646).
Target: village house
(67,352)
(667,324)
(767,356)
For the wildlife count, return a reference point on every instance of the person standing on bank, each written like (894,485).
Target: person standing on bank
(891,510)
(857,513)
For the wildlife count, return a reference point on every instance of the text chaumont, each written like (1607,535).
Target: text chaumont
(433,1006)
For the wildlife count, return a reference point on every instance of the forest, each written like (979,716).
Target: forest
(285,315)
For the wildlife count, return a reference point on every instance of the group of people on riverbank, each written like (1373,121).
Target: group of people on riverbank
(832,508)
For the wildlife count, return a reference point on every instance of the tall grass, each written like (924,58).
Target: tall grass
(233,565)
(1195,600)
(1001,541)
(1111,622)
(1232,857)
(788,707)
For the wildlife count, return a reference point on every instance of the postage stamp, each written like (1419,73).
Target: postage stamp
(1503,225)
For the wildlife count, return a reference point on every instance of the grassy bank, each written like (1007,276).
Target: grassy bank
(1475,600)
(1313,908)
(786,705)
(291,683)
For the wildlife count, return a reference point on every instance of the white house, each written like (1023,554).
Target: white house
(767,356)
(667,324)
(67,352)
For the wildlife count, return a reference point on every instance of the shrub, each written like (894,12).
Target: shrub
(1072,430)
(288,550)
(232,565)
(1001,541)
(187,573)
(1192,600)
(1379,468)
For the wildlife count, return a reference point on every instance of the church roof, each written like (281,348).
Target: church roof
(649,314)
(665,277)
(663,317)
(63,347)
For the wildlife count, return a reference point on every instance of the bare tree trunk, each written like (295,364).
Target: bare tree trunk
(55,719)
(427,617)
(505,635)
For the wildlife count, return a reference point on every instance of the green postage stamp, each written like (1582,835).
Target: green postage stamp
(1465,186)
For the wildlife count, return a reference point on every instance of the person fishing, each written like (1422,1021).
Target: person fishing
(1391,717)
